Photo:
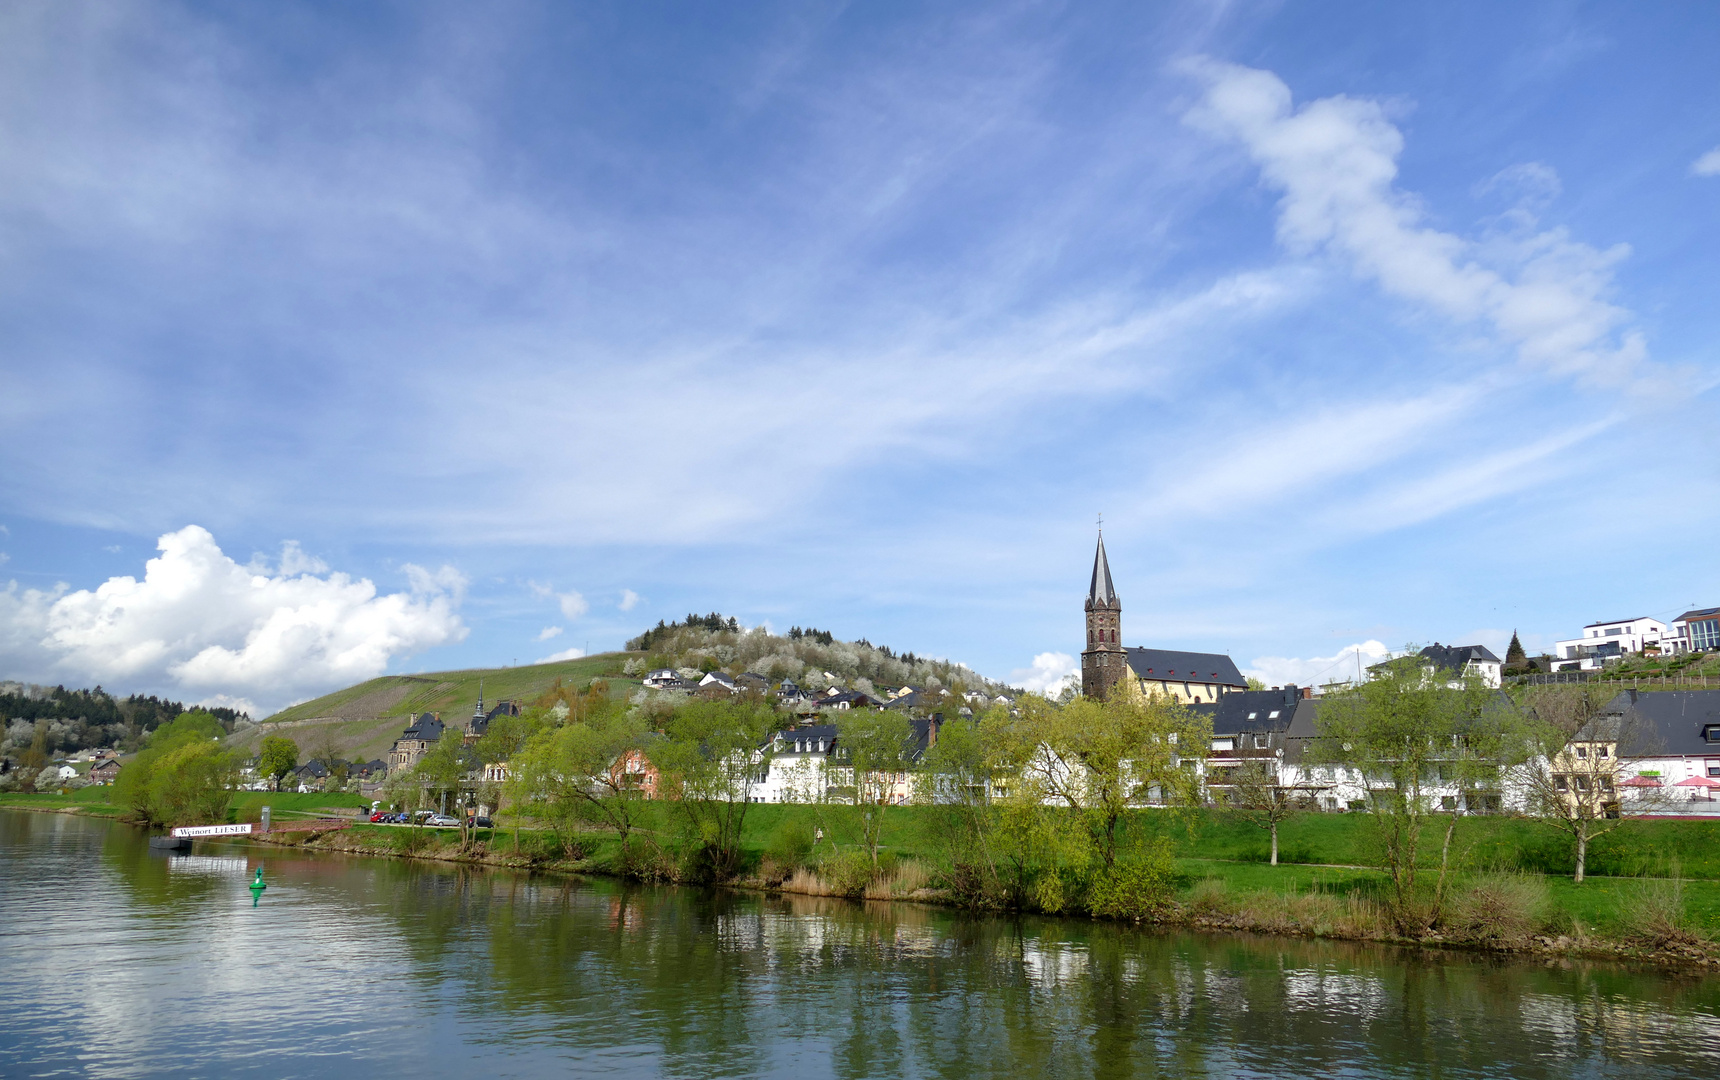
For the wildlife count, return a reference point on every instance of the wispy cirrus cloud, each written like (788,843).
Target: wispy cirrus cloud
(1334,161)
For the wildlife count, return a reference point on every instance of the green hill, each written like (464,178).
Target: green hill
(361,721)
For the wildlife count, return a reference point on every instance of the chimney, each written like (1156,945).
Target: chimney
(1307,691)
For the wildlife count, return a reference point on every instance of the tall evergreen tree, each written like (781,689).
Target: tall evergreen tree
(1515,655)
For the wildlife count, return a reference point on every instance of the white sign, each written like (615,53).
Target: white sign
(213,830)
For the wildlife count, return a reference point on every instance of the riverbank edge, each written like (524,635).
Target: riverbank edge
(1539,947)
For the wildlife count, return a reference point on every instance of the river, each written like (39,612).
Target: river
(119,961)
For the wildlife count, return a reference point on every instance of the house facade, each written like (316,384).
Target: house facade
(1613,640)
(420,735)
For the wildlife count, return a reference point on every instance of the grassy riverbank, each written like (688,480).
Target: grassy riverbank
(1654,887)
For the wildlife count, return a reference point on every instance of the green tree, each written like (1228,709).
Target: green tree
(1514,654)
(502,744)
(182,776)
(708,762)
(33,760)
(277,757)
(439,774)
(1410,728)
(1101,758)
(1259,799)
(873,745)
(578,772)
(1581,758)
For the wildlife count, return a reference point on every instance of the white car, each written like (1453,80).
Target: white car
(442,821)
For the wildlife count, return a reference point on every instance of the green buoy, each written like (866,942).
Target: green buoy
(257,887)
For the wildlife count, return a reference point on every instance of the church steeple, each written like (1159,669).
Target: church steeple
(1103,661)
(1102,593)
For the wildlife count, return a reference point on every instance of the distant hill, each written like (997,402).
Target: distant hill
(447,692)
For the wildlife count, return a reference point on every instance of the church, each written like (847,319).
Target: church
(1108,667)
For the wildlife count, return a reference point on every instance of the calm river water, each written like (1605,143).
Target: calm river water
(115,961)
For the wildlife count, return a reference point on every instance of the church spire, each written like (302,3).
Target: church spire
(1102,593)
(1104,662)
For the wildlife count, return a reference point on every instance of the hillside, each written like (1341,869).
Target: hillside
(448,692)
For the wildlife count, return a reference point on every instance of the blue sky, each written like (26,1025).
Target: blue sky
(1359,323)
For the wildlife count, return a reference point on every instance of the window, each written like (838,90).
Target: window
(1273,715)
(1582,751)
(1582,782)
(1600,751)
(1561,783)
(1448,802)
(1252,715)
(1259,742)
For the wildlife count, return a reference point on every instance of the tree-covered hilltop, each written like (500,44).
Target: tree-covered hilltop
(81,719)
(716,642)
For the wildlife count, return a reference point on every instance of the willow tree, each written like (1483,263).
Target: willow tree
(708,762)
(874,743)
(1408,732)
(1099,759)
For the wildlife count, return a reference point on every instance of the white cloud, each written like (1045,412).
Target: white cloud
(200,622)
(565,654)
(548,632)
(1317,670)
(1335,161)
(573,605)
(629,600)
(1050,673)
(1707,165)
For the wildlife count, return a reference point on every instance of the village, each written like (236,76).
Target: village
(1647,750)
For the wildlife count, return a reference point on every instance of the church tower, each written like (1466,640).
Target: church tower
(1103,662)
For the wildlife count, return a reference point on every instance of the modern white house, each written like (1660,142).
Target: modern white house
(1697,631)
(1612,640)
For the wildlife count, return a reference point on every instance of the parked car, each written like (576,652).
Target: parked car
(379,816)
(479,823)
(442,821)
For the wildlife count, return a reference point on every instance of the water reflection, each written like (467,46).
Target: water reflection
(375,967)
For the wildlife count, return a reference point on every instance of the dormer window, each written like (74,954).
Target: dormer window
(1711,733)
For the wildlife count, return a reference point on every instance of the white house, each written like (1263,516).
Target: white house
(1604,641)
(1696,631)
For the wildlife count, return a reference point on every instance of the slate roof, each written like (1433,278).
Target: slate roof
(1454,657)
(1173,666)
(1699,613)
(424,727)
(1247,711)
(1661,722)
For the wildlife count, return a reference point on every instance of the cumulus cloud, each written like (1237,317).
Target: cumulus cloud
(1317,670)
(1707,165)
(573,605)
(565,654)
(629,600)
(1335,162)
(1049,674)
(200,623)
(548,632)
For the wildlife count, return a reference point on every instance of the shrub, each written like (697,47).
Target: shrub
(1139,888)
(900,880)
(1209,897)
(847,873)
(1653,914)
(789,846)
(1500,908)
